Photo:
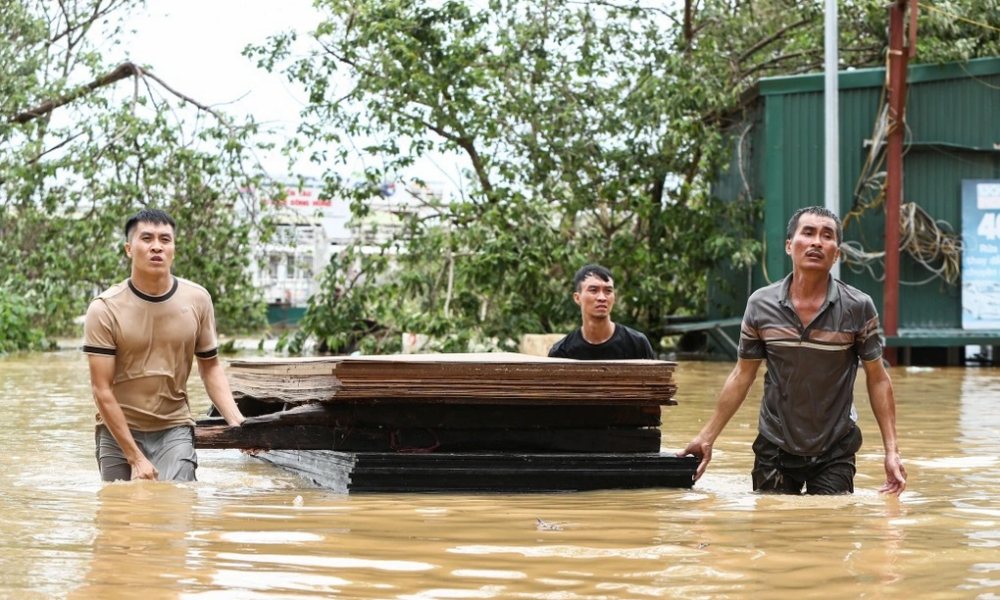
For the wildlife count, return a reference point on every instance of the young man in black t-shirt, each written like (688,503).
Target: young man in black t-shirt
(599,338)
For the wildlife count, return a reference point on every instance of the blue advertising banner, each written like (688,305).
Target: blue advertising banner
(981,254)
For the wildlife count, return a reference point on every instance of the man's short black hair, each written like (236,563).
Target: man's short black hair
(586,271)
(148,215)
(820,211)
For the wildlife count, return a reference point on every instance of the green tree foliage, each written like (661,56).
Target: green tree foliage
(588,131)
(16,317)
(83,144)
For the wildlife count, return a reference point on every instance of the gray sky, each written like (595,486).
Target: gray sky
(195,46)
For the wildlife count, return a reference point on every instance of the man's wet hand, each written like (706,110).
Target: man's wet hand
(895,475)
(702,450)
(143,469)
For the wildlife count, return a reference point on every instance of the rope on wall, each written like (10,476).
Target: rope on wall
(930,242)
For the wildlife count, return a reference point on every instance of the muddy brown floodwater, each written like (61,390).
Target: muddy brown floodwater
(249,530)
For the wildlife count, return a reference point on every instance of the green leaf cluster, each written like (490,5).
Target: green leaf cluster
(85,143)
(16,318)
(586,131)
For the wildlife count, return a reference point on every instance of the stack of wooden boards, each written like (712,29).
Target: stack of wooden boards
(490,421)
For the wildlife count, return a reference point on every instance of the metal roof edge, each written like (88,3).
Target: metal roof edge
(875,77)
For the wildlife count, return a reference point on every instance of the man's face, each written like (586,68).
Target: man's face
(151,248)
(595,297)
(814,245)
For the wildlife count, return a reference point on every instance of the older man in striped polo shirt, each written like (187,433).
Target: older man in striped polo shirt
(813,331)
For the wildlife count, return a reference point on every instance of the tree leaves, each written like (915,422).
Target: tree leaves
(77,156)
(572,134)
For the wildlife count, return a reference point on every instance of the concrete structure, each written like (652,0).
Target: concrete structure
(311,229)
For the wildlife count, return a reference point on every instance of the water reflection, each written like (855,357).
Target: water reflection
(248,530)
(141,541)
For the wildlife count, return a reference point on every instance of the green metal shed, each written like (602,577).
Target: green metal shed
(953,134)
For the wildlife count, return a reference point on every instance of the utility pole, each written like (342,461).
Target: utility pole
(896,82)
(831,89)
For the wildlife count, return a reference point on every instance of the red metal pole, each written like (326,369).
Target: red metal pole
(894,172)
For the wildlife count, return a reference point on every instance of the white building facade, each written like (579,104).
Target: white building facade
(311,229)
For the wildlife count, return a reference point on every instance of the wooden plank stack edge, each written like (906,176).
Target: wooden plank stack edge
(465,422)
(486,378)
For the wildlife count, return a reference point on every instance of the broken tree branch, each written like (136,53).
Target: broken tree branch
(120,72)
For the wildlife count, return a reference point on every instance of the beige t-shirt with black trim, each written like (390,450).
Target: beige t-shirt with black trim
(153,340)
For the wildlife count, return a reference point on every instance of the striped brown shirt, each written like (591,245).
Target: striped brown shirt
(808,399)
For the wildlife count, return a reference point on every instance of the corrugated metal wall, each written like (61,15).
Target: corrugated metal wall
(953,128)
(742,180)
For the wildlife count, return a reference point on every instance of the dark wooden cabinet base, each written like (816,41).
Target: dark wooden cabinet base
(490,422)
(484,472)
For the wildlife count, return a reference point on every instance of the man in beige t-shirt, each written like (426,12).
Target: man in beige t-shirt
(140,337)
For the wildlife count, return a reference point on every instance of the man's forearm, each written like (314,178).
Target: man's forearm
(114,420)
(219,392)
(728,403)
(884,408)
(734,393)
(226,406)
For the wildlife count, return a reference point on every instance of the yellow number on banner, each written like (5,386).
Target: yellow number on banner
(988,226)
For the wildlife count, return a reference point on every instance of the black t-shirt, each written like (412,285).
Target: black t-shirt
(625,343)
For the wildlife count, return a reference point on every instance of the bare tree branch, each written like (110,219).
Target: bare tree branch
(653,8)
(120,72)
(465,144)
(774,37)
(775,61)
(221,117)
(97,13)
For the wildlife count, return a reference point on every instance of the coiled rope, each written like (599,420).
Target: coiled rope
(931,243)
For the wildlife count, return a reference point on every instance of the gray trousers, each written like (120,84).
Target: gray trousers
(171,451)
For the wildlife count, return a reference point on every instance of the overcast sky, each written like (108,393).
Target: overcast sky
(195,46)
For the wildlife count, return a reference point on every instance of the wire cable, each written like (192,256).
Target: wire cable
(933,244)
(957,17)
(929,242)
